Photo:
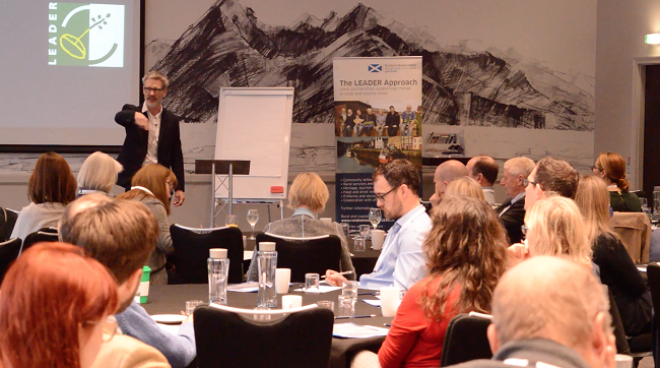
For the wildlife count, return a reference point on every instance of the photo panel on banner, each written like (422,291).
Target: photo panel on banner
(378,118)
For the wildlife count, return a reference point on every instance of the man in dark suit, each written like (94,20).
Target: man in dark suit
(152,135)
(512,212)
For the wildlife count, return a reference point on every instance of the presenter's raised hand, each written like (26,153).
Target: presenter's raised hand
(141,120)
(179,198)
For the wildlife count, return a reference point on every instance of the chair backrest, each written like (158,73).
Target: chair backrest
(9,251)
(7,221)
(653,273)
(46,234)
(634,228)
(622,346)
(227,339)
(465,340)
(302,255)
(191,252)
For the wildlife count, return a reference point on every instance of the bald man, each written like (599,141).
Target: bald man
(484,170)
(445,173)
(549,312)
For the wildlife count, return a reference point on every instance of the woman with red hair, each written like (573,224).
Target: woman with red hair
(54,306)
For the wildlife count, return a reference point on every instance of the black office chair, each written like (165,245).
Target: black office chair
(191,252)
(47,234)
(465,340)
(653,273)
(7,221)
(8,253)
(305,255)
(225,338)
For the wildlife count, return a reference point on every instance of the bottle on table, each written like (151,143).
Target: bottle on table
(218,268)
(267,263)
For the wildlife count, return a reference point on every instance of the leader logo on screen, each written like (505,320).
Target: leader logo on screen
(86,34)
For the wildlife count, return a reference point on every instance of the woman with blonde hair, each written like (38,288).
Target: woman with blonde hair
(553,227)
(617,269)
(611,167)
(153,185)
(54,308)
(466,255)
(308,195)
(98,174)
(467,187)
(51,187)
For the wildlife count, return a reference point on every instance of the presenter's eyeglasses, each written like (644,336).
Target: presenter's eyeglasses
(381,197)
(155,90)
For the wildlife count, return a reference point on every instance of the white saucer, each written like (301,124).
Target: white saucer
(169,319)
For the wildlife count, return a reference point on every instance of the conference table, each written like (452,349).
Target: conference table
(171,299)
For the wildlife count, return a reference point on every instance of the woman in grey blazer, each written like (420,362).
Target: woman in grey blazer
(308,195)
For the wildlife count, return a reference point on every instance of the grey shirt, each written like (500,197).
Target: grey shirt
(303,225)
(164,246)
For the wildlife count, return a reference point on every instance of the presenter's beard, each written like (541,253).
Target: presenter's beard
(152,104)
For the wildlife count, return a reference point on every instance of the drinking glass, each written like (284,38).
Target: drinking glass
(345,228)
(375,216)
(645,208)
(364,231)
(350,287)
(359,244)
(326,304)
(230,221)
(252,218)
(312,283)
(346,305)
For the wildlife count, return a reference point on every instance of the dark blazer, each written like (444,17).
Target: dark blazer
(513,219)
(134,151)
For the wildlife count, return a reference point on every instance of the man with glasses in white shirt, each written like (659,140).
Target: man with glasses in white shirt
(152,135)
(401,262)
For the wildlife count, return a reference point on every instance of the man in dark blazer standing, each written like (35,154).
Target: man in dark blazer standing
(152,135)
(512,212)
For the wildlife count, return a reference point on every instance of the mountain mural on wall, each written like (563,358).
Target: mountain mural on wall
(228,46)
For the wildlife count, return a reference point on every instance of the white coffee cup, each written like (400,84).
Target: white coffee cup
(291,301)
(623,361)
(377,239)
(389,301)
(282,280)
(326,219)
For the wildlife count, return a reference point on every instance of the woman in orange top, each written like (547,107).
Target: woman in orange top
(466,255)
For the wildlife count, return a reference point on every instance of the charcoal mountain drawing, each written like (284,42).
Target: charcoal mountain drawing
(228,46)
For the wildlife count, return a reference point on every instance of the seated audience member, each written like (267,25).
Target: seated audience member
(308,195)
(349,124)
(153,186)
(54,306)
(369,123)
(512,212)
(401,261)
(445,173)
(466,255)
(549,312)
(484,170)
(611,168)
(617,269)
(550,175)
(98,174)
(50,188)
(121,234)
(555,227)
(465,187)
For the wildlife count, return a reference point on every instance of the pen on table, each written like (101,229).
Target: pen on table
(360,316)
(387,324)
(370,293)
(340,273)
